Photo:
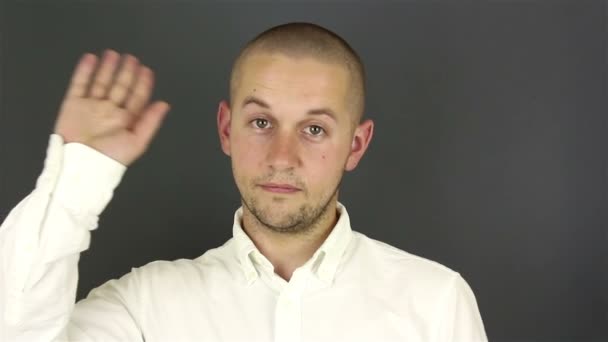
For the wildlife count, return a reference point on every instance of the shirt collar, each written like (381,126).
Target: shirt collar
(324,262)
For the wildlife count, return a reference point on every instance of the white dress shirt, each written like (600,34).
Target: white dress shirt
(354,288)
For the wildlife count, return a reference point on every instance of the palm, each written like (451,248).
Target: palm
(111,114)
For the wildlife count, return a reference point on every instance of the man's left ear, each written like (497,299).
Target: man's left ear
(361,139)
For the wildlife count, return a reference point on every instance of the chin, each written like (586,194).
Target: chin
(276,210)
(276,206)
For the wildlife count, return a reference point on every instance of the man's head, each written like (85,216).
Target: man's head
(305,40)
(294,119)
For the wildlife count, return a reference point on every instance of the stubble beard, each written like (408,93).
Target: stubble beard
(302,221)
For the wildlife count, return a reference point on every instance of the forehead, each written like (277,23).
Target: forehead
(285,78)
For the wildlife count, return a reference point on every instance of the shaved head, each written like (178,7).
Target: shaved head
(305,40)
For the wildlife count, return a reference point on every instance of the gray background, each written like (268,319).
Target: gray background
(489,153)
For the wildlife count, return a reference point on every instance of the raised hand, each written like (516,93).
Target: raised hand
(109,110)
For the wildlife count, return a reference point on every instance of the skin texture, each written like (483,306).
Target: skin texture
(290,123)
(107,106)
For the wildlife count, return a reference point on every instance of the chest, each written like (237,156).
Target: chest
(260,314)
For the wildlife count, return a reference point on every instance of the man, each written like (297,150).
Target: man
(293,271)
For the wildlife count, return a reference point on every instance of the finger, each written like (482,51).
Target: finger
(149,122)
(82,75)
(101,82)
(141,90)
(120,87)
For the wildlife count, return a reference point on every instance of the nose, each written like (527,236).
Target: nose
(283,151)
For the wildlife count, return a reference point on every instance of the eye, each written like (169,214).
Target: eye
(315,130)
(261,123)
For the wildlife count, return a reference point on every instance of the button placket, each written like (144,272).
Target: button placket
(288,313)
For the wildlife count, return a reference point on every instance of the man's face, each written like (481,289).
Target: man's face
(289,134)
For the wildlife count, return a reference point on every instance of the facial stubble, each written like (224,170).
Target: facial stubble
(304,220)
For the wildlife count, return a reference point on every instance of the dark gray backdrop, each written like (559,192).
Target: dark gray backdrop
(489,154)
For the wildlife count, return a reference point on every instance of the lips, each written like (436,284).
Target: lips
(279,188)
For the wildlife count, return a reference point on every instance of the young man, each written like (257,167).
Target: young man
(293,271)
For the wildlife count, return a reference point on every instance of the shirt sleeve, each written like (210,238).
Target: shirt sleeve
(460,320)
(41,240)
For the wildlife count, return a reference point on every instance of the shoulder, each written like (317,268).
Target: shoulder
(387,255)
(413,285)
(214,263)
(402,271)
(403,280)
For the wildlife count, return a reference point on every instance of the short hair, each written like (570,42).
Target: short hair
(301,39)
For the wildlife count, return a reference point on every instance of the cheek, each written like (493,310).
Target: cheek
(324,165)
(246,155)
(321,162)
(329,155)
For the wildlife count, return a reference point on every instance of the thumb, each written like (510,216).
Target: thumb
(149,122)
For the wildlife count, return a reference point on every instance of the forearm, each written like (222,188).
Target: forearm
(41,240)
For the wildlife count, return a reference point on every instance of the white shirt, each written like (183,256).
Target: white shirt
(353,288)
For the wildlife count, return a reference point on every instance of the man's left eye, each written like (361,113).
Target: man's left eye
(315,130)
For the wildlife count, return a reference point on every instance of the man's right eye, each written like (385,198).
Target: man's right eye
(261,123)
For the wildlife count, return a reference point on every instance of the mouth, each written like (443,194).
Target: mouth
(279,188)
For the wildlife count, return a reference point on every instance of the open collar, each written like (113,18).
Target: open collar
(324,262)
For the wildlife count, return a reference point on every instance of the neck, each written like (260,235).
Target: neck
(288,251)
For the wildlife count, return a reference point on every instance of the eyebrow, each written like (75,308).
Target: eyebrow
(317,111)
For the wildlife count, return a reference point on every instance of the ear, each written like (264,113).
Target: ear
(361,139)
(223,125)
